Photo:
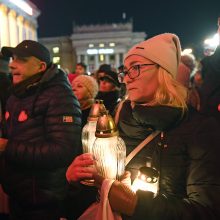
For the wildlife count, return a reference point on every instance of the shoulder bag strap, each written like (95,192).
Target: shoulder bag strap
(141,146)
(119,107)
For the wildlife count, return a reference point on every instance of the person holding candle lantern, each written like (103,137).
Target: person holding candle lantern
(185,151)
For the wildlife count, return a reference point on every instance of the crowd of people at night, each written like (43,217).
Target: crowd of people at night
(43,110)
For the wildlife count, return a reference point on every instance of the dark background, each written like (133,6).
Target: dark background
(191,20)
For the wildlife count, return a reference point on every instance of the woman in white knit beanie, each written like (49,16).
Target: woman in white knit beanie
(181,179)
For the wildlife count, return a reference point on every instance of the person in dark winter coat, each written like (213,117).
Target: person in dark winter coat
(5,85)
(185,153)
(85,88)
(210,88)
(109,88)
(43,120)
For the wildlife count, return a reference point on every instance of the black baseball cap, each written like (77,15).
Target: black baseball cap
(28,48)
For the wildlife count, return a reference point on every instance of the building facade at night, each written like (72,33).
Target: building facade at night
(18,22)
(61,50)
(94,45)
(104,43)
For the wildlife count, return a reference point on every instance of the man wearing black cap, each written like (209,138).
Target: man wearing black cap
(43,121)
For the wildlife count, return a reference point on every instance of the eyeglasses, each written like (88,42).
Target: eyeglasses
(134,71)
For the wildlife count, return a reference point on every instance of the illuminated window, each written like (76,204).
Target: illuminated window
(100,51)
(92,51)
(106,51)
(91,45)
(56,49)
(56,59)
(101,45)
(111,44)
(101,57)
(58,66)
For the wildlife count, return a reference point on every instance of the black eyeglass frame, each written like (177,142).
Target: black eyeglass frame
(137,68)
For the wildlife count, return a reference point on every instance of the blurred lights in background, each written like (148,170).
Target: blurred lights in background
(187,51)
(210,44)
(100,51)
(213,41)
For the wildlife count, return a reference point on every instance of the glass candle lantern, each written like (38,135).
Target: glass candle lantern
(88,131)
(109,149)
(146,180)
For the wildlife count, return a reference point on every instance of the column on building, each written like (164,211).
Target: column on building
(27,29)
(86,59)
(117,60)
(96,61)
(33,32)
(78,58)
(4,30)
(107,58)
(13,27)
(20,22)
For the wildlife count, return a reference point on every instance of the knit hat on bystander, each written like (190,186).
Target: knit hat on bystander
(89,82)
(166,53)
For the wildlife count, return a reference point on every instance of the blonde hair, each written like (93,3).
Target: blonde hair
(170,92)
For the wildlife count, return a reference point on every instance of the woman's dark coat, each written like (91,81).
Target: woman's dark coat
(187,156)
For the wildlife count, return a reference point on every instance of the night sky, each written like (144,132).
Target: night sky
(191,20)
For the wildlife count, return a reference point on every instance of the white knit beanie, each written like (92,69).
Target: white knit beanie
(163,49)
(89,82)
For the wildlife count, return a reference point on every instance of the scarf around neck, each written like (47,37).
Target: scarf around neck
(154,117)
(26,87)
